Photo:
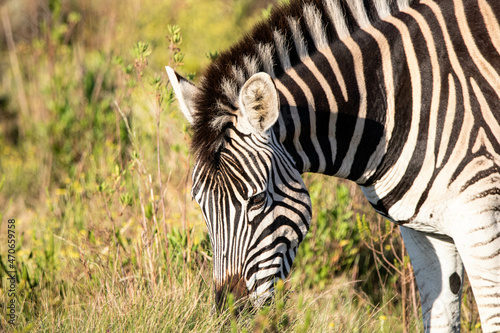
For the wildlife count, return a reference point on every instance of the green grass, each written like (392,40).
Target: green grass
(95,170)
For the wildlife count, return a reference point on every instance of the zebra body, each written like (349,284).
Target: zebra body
(402,98)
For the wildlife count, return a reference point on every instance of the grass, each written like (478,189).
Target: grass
(95,170)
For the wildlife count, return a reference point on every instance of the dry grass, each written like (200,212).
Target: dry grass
(95,169)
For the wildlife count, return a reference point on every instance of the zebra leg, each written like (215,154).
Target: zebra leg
(480,250)
(439,271)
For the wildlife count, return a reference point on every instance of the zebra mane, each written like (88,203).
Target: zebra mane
(292,33)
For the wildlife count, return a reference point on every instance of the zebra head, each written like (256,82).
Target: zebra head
(253,199)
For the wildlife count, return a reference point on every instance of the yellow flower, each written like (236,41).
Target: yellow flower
(60,191)
(343,242)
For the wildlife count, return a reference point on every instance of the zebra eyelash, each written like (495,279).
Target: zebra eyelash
(257,201)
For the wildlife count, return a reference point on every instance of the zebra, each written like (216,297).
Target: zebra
(402,97)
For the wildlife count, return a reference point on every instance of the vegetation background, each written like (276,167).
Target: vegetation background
(95,170)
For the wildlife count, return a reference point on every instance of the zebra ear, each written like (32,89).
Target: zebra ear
(259,102)
(185,92)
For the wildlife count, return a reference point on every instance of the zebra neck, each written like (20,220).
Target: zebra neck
(338,104)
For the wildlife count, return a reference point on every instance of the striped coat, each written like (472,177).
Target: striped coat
(402,98)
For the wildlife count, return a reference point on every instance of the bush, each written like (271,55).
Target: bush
(95,169)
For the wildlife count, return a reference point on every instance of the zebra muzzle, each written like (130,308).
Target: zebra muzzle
(234,285)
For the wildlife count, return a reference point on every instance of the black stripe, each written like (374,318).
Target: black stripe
(322,113)
(403,103)
(373,130)
(305,123)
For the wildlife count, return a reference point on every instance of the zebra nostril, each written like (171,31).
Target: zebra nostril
(220,298)
(239,288)
(234,285)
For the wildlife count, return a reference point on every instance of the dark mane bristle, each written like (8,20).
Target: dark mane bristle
(216,106)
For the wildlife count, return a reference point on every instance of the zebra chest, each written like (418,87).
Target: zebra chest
(429,216)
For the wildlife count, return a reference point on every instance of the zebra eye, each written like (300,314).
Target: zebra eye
(257,201)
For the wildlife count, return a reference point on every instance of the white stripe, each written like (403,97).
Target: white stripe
(491,23)
(448,121)
(315,25)
(403,4)
(357,58)
(486,69)
(296,124)
(333,108)
(393,176)
(336,70)
(409,201)
(486,111)
(312,115)
(282,49)
(298,38)
(334,10)
(266,55)
(387,72)
(441,182)
(383,9)
(358,10)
